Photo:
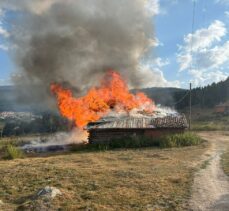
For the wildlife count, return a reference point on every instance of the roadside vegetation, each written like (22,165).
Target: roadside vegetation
(12,152)
(168,141)
(225,162)
(211,123)
(9,148)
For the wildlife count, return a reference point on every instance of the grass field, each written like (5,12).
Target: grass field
(142,179)
(212,123)
(206,120)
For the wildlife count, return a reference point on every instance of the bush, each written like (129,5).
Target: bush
(174,140)
(180,140)
(13,152)
(225,162)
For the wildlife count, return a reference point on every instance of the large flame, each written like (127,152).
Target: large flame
(112,94)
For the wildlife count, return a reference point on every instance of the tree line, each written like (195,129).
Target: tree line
(205,97)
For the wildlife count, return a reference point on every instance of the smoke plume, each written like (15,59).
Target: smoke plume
(75,42)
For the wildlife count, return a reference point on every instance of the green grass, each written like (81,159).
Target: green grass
(180,140)
(211,122)
(13,152)
(204,119)
(210,126)
(174,140)
(9,148)
(225,162)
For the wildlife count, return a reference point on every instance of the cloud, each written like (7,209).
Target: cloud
(1,13)
(153,70)
(160,62)
(156,78)
(201,45)
(3,32)
(226,13)
(223,2)
(5,82)
(205,37)
(3,47)
(206,77)
(153,7)
(204,55)
(214,57)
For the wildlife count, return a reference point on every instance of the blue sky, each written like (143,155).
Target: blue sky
(174,23)
(173,57)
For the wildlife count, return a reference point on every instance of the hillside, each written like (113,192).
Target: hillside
(205,97)
(12,100)
(7,98)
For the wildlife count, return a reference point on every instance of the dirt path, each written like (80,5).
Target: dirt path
(211,185)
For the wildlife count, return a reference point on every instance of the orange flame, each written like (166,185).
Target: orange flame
(112,94)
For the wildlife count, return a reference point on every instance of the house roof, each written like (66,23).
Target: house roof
(143,122)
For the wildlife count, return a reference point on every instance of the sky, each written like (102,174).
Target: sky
(179,56)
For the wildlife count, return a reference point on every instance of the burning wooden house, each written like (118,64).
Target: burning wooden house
(115,128)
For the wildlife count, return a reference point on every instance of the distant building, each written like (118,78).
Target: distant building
(222,108)
(108,129)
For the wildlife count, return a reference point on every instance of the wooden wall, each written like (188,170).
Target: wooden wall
(104,135)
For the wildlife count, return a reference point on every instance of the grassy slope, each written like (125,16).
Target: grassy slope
(207,120)
(115,180)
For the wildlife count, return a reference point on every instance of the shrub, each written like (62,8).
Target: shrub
(13,152)
(174,140)
(225,162)
(180,140)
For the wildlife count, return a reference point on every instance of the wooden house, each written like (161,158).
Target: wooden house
(116,128)
(222,108)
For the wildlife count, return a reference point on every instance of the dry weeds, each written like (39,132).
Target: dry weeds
(111,180)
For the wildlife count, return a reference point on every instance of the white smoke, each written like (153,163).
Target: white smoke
(76,136)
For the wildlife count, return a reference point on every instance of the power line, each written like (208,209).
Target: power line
(181,98)
(193,21)
(190,90)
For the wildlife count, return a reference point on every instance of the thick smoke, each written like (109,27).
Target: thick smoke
(75,42)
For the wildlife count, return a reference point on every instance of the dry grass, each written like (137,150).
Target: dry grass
(206,120)
(143,179)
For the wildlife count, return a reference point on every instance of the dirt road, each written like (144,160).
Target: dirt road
(211,186)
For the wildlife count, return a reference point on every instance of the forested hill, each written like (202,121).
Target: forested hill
(207,96)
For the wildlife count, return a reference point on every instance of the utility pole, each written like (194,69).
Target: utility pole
(190,106)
